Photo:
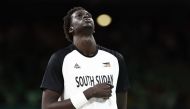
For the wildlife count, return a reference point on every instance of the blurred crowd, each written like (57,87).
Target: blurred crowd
(156,49)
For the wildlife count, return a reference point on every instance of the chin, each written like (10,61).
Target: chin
(88,27)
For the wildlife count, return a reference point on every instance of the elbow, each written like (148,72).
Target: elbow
(46,106)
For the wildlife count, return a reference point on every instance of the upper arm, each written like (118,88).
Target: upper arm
(122,100)
(52,83)
(122,84)
(49,97)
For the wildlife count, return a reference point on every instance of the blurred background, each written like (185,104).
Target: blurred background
(153,36)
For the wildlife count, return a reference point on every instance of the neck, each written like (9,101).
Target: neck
(87,45)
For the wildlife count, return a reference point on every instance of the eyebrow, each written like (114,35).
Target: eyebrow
(83,11)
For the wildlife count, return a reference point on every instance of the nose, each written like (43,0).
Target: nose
(86,16)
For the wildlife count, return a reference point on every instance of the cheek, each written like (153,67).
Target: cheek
(76,23)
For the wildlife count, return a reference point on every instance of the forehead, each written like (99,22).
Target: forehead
(79,11)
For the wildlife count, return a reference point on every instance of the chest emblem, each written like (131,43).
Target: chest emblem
(106,64)
(77,66)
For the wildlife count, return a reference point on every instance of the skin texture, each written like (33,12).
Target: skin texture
(82,29)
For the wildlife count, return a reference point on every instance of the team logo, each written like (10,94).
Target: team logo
(106,64)
(76,66)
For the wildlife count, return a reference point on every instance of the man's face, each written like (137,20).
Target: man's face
(82,19)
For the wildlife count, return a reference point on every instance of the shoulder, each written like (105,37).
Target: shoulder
(61,53)
(113,52)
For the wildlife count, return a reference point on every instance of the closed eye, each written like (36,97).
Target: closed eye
(79,14)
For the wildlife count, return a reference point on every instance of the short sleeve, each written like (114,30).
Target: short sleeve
(53,78)
(123,82)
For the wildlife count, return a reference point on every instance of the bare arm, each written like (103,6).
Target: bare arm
(50,101)
(122,100)
(50,98)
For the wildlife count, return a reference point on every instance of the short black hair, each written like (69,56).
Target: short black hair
(67,22)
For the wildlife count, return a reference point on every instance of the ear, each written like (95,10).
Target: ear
(71,29)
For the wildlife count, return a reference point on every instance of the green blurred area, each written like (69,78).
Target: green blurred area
(24,100)
(157,88)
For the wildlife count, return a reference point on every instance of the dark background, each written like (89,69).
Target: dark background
(153,36)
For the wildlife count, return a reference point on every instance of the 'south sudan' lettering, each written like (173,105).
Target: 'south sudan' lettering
(92,80)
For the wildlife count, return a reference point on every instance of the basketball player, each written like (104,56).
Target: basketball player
(84,75)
